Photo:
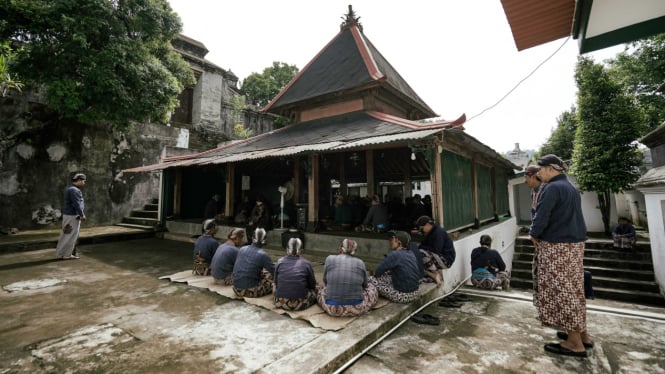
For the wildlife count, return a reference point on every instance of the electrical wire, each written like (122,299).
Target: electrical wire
(521,81)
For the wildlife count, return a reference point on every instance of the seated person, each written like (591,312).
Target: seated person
(436,247)
(345,291)
(295,285)
(253,271)
(259,217)
(343,215)
(225,257)
(397,275)
(376,218)
(205,247)
(624,234)
(212,208)
(488,268)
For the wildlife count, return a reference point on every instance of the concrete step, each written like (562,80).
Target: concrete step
(152,207)
(620,283)
(634,275)
(140,221)
(134,226)
(527,254)
(636,296)
(144,214)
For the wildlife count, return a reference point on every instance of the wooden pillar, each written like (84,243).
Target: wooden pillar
(343,185)
(407,191)
(230,190)
(177,190)
(436,176)
(296,181)
(369,162)
(313,187)
(474,178)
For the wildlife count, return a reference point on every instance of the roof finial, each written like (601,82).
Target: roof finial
(350,20)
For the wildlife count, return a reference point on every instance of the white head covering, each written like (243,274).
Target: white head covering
(294,247)
(348,246)
(259,236)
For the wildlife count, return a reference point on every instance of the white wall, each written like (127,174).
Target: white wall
(655,206)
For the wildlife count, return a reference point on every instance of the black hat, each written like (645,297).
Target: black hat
(423,220)
(531,170)
(78,176)
(402,236)
(554,161)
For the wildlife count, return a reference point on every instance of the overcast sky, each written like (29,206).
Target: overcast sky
(458,56)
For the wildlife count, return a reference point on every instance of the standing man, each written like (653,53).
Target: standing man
(72,215)
(531,179)
(558,232)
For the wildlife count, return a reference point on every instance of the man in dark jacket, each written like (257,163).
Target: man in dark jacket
(437,248)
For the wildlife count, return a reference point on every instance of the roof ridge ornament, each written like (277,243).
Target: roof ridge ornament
(350,19)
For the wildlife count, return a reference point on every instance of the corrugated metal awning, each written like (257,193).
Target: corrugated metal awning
(289,150)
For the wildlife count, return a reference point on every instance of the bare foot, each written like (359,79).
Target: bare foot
(438,279)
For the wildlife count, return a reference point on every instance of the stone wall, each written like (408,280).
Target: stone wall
(39,152)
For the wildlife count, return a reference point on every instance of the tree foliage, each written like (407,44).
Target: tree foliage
(562,138)
(641,69)
(605,155)
(7,82)
(260,89)
(99,60)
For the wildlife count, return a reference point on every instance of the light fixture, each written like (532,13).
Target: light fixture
(413,156)
(355,158)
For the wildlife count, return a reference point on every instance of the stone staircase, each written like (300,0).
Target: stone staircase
(145,218)
(617,275)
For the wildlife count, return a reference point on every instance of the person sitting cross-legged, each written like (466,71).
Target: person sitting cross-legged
(397,275)
(295,284)
(624,234)
(487,266)
(253,271)
(225,257)
(205,247)
(345,291)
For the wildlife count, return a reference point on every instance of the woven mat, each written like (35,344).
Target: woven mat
(314,314)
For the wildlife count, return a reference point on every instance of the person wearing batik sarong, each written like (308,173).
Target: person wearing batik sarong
(487,266)
(624,234)
(206,244)
(253,271)
(72,216)
(558,231)
(397,275)
(437,249)
(295,285)
(345,291)
(225,256)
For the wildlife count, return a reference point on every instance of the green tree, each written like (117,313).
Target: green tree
(7,82)
(605,157)
(99,60)
(562,138)
(641,69)
(261,88)
(238,107)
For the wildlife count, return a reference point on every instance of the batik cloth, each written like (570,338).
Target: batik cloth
(263,288)
(296,304)
(370,297)
(559,296)
(483,278)
(384,285)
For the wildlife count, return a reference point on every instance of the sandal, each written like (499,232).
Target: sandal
(426,319)
(449,304)
(564,336)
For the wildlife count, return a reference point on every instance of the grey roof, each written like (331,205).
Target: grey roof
(355,130)
(349,61)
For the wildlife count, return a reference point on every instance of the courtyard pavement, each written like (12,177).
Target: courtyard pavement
(109,312)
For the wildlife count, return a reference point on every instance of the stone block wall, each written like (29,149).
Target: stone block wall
(39,152)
